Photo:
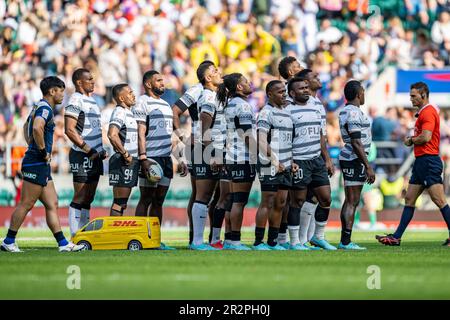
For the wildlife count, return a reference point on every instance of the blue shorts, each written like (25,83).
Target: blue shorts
(37,174)
(427,171)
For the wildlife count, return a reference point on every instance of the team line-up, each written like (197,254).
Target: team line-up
(284,145)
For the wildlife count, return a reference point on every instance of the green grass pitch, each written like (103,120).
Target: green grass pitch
(416,270)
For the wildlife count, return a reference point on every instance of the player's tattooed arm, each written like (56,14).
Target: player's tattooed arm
(422,138)
(113,136)
(206,122)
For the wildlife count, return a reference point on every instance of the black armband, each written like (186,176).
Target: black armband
(355,135)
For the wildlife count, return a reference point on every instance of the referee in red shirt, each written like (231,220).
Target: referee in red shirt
(427,169)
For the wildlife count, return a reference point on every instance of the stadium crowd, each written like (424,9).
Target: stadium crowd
(119,40)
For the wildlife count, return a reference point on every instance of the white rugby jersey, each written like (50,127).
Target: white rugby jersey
(352,119)
(209,104)
(188,101)
(238,112)
(125,120)
(158,116)
(87,113)
(278,124)
(307,127)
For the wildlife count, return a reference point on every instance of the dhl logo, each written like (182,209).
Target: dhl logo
(129,223)
(155,223)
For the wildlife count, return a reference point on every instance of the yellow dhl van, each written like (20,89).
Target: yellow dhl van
(132,233)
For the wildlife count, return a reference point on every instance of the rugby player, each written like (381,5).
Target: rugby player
(155,127)
(275,133)
(188,101)
(208,157)
(123,135)
(356,133)
(307,154)
(312,218)
(83,128)
(241,150)
(288,67)
(37,179)
(427,169)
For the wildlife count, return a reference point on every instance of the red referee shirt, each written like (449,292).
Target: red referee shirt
(428,119)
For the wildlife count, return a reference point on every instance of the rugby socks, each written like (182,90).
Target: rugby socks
(312,222)
(199,215)
(10,237)
(282,236)
(346,236)
(74,217)
(306,214)
(259,235)
(446,214)
(294,225)
(321,218)
(406,218)
(235,238)
(272,236)
(59,236)
(84,219)
(218,216)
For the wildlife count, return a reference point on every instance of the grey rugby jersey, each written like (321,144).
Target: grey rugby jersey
(307,128)
(125,120)
(352,119)
(158,116)
(238,111)
(208,104)
(278,124)
(85,110)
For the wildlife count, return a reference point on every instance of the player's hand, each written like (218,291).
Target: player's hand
(182,169)
(103,154)
(128,158)
(370,175)
(408,142)
(47,157)
(93,154)
(295,167)
(216,164)
(330,167)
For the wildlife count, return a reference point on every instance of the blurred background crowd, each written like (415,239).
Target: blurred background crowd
(119,40)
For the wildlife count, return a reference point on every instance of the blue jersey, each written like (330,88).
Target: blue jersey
(32,156)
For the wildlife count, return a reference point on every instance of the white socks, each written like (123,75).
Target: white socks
(306,216)
(74,220)
(78,218)
(294,235)
(282,238)
(319,233)
(84,219)
(312,223)
(199,215)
